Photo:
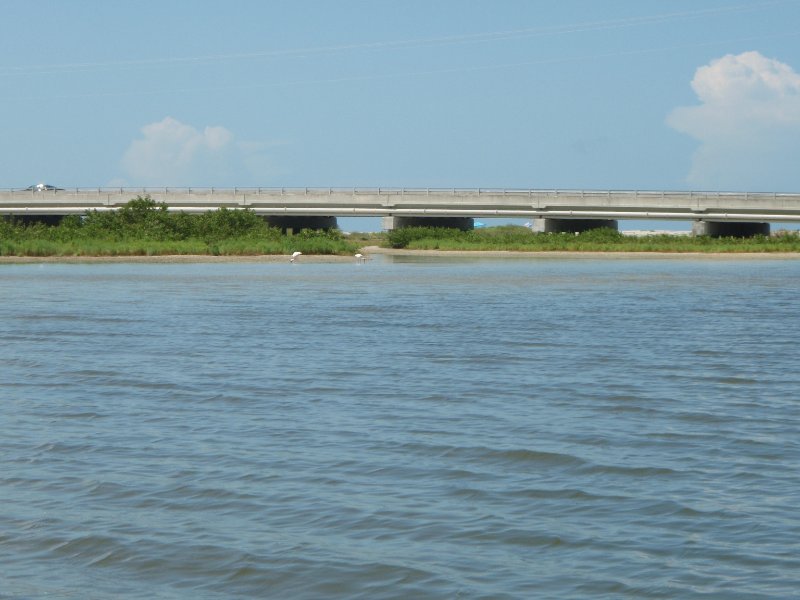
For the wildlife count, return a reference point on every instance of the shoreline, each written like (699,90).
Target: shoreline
(376,250)
(175,258)
(576,253)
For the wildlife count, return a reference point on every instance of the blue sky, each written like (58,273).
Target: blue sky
(614,94)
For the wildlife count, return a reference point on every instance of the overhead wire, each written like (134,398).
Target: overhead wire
(420,73)
(469,38)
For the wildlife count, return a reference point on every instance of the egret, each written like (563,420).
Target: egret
(360,258)
(294,256)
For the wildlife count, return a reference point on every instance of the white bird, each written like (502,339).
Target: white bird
(294,256)
(361,258)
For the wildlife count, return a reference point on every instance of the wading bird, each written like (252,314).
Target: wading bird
(294,256)
(360,258)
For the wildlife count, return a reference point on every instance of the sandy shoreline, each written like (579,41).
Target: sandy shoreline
(375,250)
(575,254)
(175,258)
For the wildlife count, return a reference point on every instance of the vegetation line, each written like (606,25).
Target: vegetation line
(146,228)
(521,239)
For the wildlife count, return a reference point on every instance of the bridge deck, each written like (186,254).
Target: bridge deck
(584,204)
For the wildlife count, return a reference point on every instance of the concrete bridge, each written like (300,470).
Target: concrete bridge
(713,213)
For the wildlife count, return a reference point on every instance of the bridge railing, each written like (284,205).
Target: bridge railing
(399,201)
(680,195)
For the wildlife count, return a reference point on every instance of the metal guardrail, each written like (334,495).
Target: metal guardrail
(488,202)
(392,191)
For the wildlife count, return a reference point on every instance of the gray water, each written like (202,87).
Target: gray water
(470,428)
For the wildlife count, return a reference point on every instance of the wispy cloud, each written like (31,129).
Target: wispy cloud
(172,153)
(748,124)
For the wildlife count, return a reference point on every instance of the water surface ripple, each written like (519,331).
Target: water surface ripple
(408,428)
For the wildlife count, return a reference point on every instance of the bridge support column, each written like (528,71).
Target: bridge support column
(293,224)
(462,223)
(729,228)
(548,225)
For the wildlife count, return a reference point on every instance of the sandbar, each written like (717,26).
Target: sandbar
(576,254)
(376,250)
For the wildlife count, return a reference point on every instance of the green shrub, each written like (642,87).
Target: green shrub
(402,237)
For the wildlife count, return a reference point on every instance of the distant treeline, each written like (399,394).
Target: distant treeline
(145,227)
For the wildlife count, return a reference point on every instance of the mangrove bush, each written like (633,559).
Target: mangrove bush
(517,238)
(146,227)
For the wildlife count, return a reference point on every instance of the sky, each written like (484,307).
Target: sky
(542,94)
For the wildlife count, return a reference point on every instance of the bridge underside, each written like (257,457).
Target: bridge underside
(729,228)
(549,225)
(462,223)
(294,224)
(33,219)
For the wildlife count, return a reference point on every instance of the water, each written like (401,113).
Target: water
(414,428)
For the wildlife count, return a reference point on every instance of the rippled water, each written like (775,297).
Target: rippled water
(414,428)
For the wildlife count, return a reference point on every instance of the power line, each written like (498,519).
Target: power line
(423,73)
(475,38)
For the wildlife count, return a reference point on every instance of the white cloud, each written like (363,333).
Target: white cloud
(748,124)
(171,153)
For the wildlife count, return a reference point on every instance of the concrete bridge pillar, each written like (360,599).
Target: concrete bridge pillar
(549,225)
(462,223)
(729,228)
(294,224)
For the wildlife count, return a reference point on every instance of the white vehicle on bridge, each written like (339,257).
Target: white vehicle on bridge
(42,187)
